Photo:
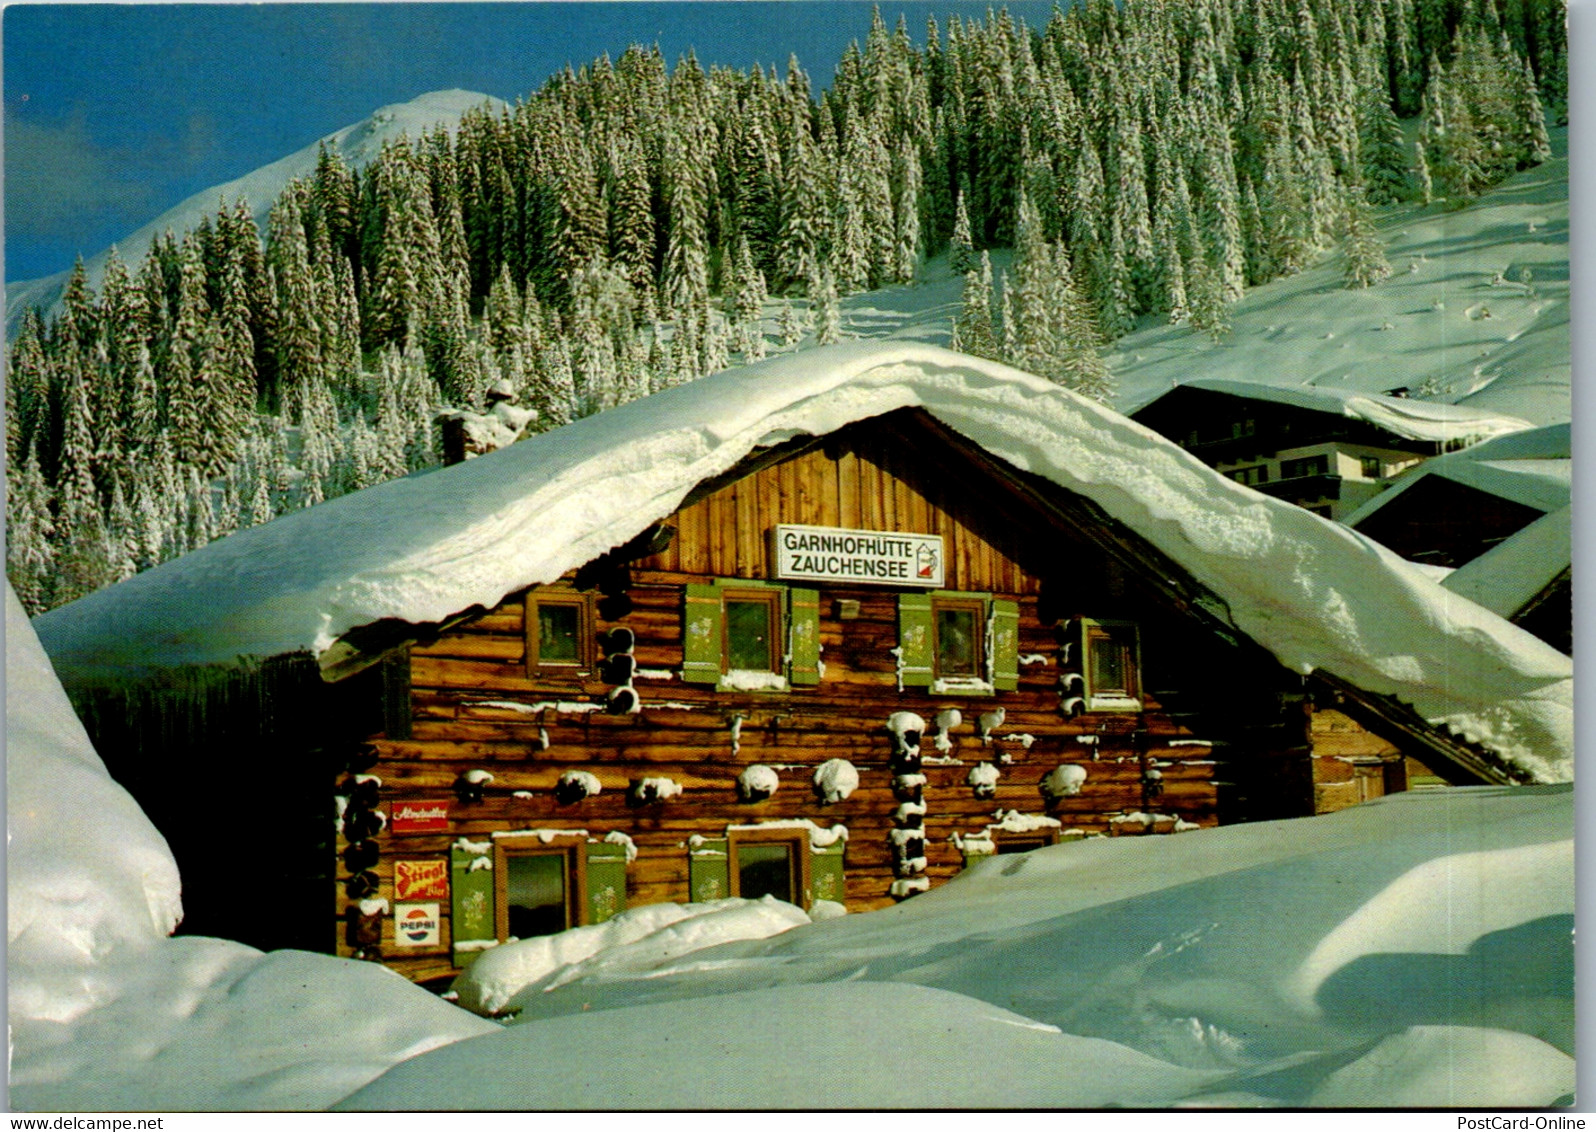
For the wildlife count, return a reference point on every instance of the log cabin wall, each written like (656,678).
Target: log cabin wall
(1221,734)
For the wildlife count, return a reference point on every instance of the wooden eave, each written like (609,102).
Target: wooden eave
(1462,762)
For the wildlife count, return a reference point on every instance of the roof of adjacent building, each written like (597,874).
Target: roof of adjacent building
(1406,417)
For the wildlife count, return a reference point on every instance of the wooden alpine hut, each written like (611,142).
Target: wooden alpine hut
(831,628)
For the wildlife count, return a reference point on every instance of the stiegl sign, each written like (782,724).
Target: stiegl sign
(833,554)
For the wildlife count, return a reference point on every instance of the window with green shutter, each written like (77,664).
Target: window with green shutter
(776,860)
(471,901)
(955,642)
(606,881)
(750,636)
(708,870)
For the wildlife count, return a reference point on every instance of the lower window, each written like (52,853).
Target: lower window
(537,892)
(1025,842)
(770,863)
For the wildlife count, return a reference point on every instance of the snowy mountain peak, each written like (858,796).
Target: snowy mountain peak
(359,143)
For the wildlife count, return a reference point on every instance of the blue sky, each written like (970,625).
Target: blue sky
(114,113)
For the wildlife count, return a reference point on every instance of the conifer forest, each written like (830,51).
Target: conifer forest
(637,223)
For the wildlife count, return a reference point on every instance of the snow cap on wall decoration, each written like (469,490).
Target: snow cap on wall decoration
(906,728)
(574,785)
(947,720)
(989,722)
(835,779)
(756,783)
(622,701)
(469,786)
(983,780)
(1063,781)
(646,791)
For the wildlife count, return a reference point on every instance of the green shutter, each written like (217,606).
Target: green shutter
(1005,645)
(470,900)
(914,639)
(606,881)
(701,633)
(803,627)
(709,871)
(825,873)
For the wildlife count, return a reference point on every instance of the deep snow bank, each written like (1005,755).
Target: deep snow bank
(427,546)
(637,939)
(1415,951)
(105,1012)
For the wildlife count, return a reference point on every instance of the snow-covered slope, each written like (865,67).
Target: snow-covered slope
(1413,951)
(104,1011)
(1456,322)
(428,546)
(358,143)
(1309,330)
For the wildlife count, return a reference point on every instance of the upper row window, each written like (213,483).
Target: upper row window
(751,636)
(560,632)
(1306,466)
(958,642)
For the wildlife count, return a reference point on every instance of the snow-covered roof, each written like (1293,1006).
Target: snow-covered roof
(1406,417)
(1505,578)
(425,547)
(1534,468)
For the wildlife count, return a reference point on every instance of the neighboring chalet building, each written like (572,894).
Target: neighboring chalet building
(829,628)
(1497,516)
(1329,451)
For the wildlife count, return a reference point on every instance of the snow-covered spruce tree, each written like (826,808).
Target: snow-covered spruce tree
(1382,150)
(1208,313)
(1364,254)
(974,325)
(789,330)
(827,311)
(30,534)
(961,249)
(1529,142)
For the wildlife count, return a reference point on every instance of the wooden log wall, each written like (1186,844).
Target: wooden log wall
(474,705)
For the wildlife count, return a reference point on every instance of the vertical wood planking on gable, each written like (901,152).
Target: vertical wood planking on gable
(848,509)
(722,563)
(744,503)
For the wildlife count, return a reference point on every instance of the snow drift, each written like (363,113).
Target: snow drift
(105,1012)
(430,545)
(1413,951)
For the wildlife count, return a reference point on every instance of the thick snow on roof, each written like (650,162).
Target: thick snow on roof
(1406,417)
(104,1011)
(1534,468)
(1413,951)
(1507,576)
(358,143)
(428,546)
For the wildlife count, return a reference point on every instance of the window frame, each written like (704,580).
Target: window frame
(796,837)
(977,604)
(1041,838)
(1131,698)
(574,856)
(586,633)
(772,598)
